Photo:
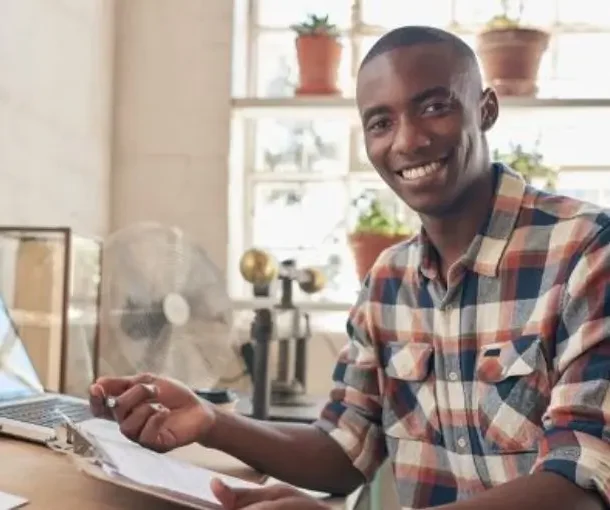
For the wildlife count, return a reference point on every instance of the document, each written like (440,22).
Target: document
(10,501)
(125,460)
(151,469)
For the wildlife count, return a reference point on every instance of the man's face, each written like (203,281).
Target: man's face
(423,116)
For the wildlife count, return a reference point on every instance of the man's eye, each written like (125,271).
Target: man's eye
(378,125)
(438,107)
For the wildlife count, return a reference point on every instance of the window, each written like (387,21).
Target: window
(299,164)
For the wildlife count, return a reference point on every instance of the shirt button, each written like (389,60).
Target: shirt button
(462,442)
(453,376)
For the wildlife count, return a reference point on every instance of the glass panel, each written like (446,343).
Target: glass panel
(475,12)
(393,13)
(278,68)
(298,215)
(307,222)
(361,192)
(560,132)
(335,261)
(302,145)
(579,72)
(590,12)
(589,185)
(283,13)
(479,12)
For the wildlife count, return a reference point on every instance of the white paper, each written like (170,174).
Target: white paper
(10,501)
(152,469)
(156,470)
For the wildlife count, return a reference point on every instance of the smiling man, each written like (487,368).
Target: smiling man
(478,358)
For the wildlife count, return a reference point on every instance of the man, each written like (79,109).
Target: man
(478,357)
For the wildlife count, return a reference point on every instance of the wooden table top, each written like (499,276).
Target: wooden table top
(50,480)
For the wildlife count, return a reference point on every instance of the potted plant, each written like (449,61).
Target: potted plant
(510,53)
(529,165)
(375,230)
(318,55)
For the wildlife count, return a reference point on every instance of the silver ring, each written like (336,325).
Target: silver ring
(111,402)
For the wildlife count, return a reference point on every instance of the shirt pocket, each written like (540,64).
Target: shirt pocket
(512,393)
(409,402)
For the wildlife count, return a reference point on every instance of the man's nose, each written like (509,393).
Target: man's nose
(409,137)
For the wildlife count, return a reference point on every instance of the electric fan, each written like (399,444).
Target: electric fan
(164,307)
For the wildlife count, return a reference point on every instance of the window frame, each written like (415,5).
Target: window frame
(247,107)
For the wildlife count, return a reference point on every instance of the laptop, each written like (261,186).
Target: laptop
(27,411)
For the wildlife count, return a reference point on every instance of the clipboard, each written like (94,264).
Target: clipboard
(89,460)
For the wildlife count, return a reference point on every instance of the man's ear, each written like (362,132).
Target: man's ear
(489,109)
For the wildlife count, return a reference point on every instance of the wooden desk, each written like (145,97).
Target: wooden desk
(50,481)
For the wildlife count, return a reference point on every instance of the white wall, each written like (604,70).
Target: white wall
(172,117)
(55,97)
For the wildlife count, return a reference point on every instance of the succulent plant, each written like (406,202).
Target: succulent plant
(316,25)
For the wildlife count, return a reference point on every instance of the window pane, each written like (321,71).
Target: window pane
(591,186)
(278,69)
(298,215)
(302,145)
(307,222)
(479,12)
(393,13)
(361,192)
(578,69)
(336,262)
(475,12)
(591,12)
(560,131)
(283,13)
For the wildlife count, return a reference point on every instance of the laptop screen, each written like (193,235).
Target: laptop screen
(18,378)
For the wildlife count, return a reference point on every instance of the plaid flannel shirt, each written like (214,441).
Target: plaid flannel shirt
(501,373)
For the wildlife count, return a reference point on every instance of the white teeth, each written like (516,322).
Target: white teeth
(421,171)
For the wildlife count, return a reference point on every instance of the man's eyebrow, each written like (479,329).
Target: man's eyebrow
(431,92)
(420,97)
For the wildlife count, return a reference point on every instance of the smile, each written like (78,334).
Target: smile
(415,173)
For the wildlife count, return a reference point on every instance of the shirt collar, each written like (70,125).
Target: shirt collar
(486,250)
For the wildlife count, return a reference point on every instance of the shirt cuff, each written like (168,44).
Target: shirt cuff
(359,438)
(580,457)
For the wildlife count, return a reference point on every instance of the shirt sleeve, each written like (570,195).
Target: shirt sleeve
(576,441)
(352,416)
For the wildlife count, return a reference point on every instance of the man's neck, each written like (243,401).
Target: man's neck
(453,233)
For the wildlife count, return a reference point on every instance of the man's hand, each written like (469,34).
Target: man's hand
(158,413)
(273,497)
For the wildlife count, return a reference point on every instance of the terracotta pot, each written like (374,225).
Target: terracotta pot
(366,247)
(319,57)
(511,57)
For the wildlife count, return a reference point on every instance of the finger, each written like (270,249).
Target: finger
(224,494)
(233,498)
(289,503)
(105,387)
(155,435)
(135,422)
(135,396)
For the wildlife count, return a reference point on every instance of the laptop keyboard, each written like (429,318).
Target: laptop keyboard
(43,412)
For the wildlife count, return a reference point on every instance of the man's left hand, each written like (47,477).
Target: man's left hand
(273,497)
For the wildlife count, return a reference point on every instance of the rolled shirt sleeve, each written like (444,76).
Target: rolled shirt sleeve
(353,415)
(576,441)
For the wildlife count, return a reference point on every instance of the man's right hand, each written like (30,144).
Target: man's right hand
(158,413)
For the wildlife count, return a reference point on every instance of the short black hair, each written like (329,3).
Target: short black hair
(411,35)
